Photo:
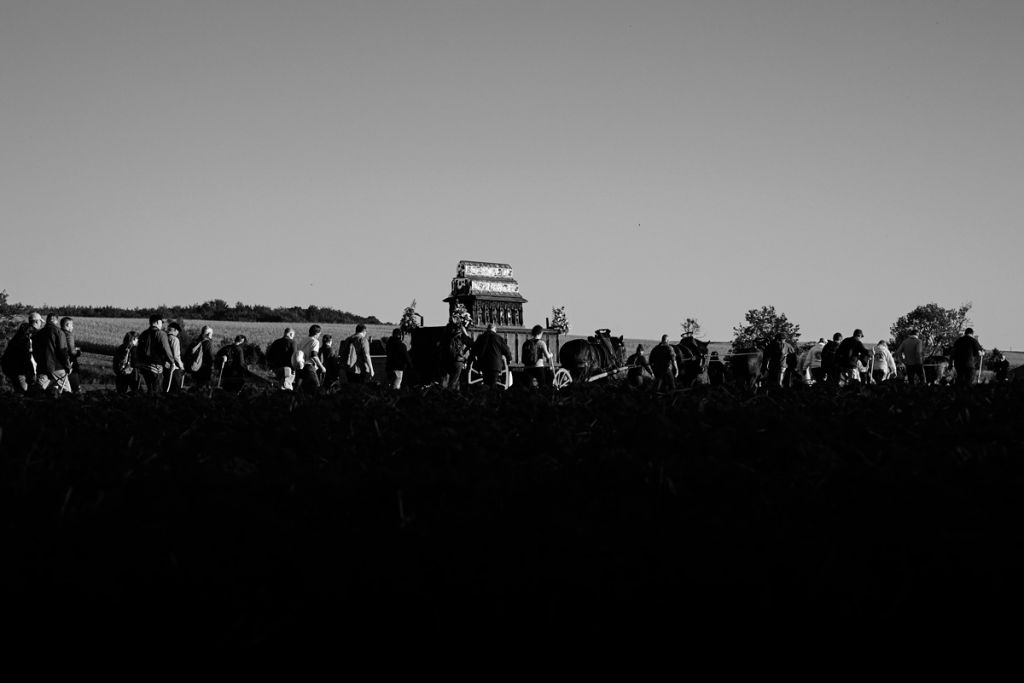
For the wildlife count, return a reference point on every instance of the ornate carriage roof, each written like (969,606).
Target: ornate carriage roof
(485,279)
(484,269)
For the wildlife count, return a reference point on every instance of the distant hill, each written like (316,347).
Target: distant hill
(218,309)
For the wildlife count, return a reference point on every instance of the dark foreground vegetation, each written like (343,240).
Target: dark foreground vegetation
(263,519)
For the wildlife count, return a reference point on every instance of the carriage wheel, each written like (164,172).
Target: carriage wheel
(562,379)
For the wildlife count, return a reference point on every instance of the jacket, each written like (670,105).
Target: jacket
(175,344)
(967,352)
(881,359)
(398,359)
(280,352)
(488,350)
(663,358)
(910,351)
(159,349)
(17,357)
(359,354)
(49,347)
(455,348)
(851,350)
(812,359)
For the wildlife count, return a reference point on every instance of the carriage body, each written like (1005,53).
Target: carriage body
(428,346)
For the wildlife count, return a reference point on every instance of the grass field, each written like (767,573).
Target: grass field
(96,333)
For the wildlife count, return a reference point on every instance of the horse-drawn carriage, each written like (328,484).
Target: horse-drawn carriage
(603,356)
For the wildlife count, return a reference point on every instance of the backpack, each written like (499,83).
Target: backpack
(145,349)
(194,359)
(530,352)
(345,355)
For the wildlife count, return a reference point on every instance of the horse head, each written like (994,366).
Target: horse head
(619,345)
(692,349)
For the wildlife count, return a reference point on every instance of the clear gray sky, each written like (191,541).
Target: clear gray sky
(637,162)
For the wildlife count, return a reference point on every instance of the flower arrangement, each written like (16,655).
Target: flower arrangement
(411,320)
(559,323)
(461,317)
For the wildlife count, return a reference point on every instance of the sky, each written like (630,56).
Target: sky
(636,162)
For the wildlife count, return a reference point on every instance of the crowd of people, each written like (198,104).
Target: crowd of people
(836,361)
(42,356)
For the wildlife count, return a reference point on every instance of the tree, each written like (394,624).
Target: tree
(559,323)
(764,324)
(691,328)
(936,326)
(8,323)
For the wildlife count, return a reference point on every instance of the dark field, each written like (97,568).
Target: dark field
(267,520)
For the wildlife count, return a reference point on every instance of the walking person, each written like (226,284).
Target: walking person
(231,361)
(883,365)
(279,358)
(716,370)
(153,355)
(397,360)
(176,373)
(640,371)
(536,358)
(665,365)
(18,363)
(454,355)
(851,356)
(775,359)
(967,353)
(490,355)
(1000,365)
(358,362)
(307,364)
(811,362)
(330,358)
(829,367)
(202,348)
(127,379)
(72,353)
(53,364)
(910,352)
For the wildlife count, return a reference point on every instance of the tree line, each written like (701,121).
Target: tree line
(215,309)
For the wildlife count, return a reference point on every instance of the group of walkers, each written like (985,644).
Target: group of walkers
(155,359)
(314,364)
(837,361)
(42,355)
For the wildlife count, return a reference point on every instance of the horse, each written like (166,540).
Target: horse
(693,359)
(586,357)
(746,364)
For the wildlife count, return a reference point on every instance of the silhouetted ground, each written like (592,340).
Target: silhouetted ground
(268,520)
